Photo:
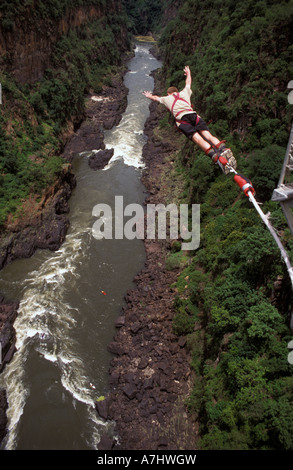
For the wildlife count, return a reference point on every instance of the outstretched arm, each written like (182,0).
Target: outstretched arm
(188,75)
(149,95)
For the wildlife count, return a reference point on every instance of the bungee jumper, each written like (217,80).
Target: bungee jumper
(195,128)
(192,125)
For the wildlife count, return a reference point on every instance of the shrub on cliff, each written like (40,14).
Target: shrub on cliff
(239,57)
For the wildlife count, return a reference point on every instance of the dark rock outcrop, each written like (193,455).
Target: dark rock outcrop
(99,160)
(44,224)
(3,417)
(8,313)
(102,112)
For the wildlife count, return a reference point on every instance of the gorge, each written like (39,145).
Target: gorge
(197,349)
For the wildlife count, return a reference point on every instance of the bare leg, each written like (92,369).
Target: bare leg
(208,136)
(200,141)
(205,140)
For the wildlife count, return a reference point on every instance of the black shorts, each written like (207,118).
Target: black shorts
(191,124)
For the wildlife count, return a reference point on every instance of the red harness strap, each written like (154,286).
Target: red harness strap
(176,98)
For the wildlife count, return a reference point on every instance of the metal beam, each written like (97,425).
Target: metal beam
(288,157)
(284,191)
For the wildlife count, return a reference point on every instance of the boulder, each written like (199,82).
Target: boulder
(100,159)
(3,417)
(102,407)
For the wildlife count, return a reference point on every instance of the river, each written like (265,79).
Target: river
(70,298)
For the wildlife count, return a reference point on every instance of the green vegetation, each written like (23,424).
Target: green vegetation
(240,55)
(33,117)
(28,151)
(144,16)
(18,10)
(234,295)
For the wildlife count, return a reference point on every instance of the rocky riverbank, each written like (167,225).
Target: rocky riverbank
(8,312)
(102,112)
(150,376)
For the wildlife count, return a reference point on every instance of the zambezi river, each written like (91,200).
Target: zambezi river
(70,298)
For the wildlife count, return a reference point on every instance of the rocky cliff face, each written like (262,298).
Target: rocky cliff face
(8,313)
(43,225)
(26,46)
(28,35)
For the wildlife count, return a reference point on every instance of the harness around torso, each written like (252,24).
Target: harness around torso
(177,97)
